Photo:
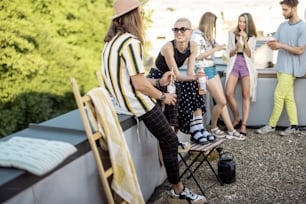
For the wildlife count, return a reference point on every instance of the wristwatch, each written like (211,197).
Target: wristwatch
(163,96)
(158,83)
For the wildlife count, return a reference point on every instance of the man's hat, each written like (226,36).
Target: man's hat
(124,6)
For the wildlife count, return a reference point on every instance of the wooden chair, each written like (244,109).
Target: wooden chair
(204,150)
(94,139)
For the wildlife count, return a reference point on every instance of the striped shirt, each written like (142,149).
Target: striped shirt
(121,59)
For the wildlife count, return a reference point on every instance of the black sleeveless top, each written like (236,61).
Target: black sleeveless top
(179,57)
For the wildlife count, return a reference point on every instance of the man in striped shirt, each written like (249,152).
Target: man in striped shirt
(124,76)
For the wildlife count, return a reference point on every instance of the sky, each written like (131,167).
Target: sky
(267,15)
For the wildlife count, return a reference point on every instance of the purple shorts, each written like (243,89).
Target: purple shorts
(240,68)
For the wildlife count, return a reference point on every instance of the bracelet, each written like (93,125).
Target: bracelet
(163,96)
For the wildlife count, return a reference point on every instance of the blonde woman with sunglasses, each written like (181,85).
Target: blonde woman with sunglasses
(187,114)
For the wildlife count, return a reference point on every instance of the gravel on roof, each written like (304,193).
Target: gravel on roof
(269,169)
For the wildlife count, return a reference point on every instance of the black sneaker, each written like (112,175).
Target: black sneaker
(185,197)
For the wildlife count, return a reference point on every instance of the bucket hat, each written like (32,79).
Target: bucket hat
(124,6)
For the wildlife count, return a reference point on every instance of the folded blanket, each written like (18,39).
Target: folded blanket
(125,182)
(38,156)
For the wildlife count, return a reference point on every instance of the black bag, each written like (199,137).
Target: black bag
(226,168)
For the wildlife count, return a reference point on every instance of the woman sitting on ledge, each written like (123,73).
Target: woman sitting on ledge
(187,114)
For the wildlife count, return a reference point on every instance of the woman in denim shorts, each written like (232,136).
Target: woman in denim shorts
(204,36)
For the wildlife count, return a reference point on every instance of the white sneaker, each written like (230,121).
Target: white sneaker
(185,197)
(265,129)
(289,131)
(235,135)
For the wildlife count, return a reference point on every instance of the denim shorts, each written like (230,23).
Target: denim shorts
(210,72)
(240,68)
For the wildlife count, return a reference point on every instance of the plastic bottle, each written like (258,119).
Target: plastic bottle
(202,82)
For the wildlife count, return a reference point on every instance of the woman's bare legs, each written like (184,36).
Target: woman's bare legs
(198,112)
(245,89)
(215,88)
(230,94)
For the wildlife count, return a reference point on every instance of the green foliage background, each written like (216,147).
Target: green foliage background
(43,44)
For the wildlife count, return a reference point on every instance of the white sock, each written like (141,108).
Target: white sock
(205,133)
(197,124)
(193,128)
(199,117)
(197,135)
(200,126)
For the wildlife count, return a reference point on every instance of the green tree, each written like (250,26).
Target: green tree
(43,44)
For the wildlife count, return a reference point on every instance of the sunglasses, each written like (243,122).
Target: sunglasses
(182,29)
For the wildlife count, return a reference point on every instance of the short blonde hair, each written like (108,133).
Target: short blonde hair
(184,20)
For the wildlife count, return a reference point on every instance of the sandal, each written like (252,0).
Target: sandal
(235,135)
(209,137)
(238,125)
(200,140)
(243,133)
(218,133)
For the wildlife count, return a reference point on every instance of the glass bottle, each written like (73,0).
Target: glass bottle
(171,87)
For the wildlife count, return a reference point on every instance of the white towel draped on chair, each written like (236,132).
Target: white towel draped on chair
(125,182)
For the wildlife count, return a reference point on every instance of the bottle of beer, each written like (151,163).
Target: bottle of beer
(171,87)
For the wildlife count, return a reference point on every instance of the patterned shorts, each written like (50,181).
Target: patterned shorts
(240,68)
(171,111)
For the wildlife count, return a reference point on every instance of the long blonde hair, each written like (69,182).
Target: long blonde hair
(207,25)
(130,22)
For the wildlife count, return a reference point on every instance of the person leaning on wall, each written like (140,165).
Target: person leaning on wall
(204,36)
(241,48)
(187,114)
(290,41)
(124,76)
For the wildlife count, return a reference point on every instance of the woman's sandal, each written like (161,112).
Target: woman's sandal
(200,140)
(243,133)
(237,124)
(209,137)
(235,135)
(218,133)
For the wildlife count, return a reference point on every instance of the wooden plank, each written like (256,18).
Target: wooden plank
(203,148)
